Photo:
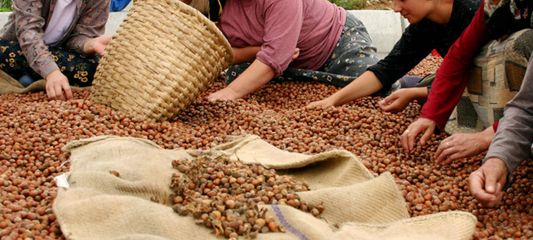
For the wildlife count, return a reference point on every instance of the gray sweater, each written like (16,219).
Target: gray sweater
(514,137)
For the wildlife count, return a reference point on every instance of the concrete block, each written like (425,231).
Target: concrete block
(384,26)
(114,21)
(3,18)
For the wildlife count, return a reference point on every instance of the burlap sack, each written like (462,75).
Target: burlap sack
(10,85)
(99,205)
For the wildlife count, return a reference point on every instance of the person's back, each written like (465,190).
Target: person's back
(314,24)
(291,39)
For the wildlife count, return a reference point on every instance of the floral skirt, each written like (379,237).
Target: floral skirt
(78,68)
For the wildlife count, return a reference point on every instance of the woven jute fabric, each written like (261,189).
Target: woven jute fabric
(163,55)
(10,85)
(99,205)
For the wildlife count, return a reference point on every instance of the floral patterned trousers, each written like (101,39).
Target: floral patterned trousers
(78,68)
(351,57)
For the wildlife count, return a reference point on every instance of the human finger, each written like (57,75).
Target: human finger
(411,138)
(404,140)
(296,53)
(498,195)
(99,49)
(394,106)
(58,89)
(492,179)
(476,185)
(427,134)
(50,92)
(459,154)
(106,39)
(389,107)
(451,154)
(444,144)
(316,104)
(68,91)
(445,154)
(387,100)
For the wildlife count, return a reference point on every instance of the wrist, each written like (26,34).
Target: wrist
(87,46)
(421,92)
(334,100)
(52,74)
(499,164)
(235,92)
(486,137)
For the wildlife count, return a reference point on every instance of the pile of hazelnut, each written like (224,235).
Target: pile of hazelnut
(34,130)
(226,195)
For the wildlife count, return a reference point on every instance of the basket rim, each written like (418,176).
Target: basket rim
(193,11)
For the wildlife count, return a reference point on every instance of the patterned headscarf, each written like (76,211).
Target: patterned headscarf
(507,16)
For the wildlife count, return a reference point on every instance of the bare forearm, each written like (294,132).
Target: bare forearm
(363,86)
(252,79)
(244,54)
(420,92)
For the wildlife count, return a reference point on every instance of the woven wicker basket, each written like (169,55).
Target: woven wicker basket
(163,55)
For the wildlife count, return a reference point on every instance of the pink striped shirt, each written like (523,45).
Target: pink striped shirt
(280,26)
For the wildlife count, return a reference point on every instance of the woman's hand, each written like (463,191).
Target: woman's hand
(57,86)
(421,125)
(399,99)
(324,103)
(463,145)
(252,79)
(224,94)
(96,45)
(296,53)
(486,183)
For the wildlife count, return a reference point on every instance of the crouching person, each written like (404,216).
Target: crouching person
(312,40)
(55,40)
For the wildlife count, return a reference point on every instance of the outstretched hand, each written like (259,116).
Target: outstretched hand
(324,103)
(397,101)
(421,125)
(57,86)
(462,145)
(224,94)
